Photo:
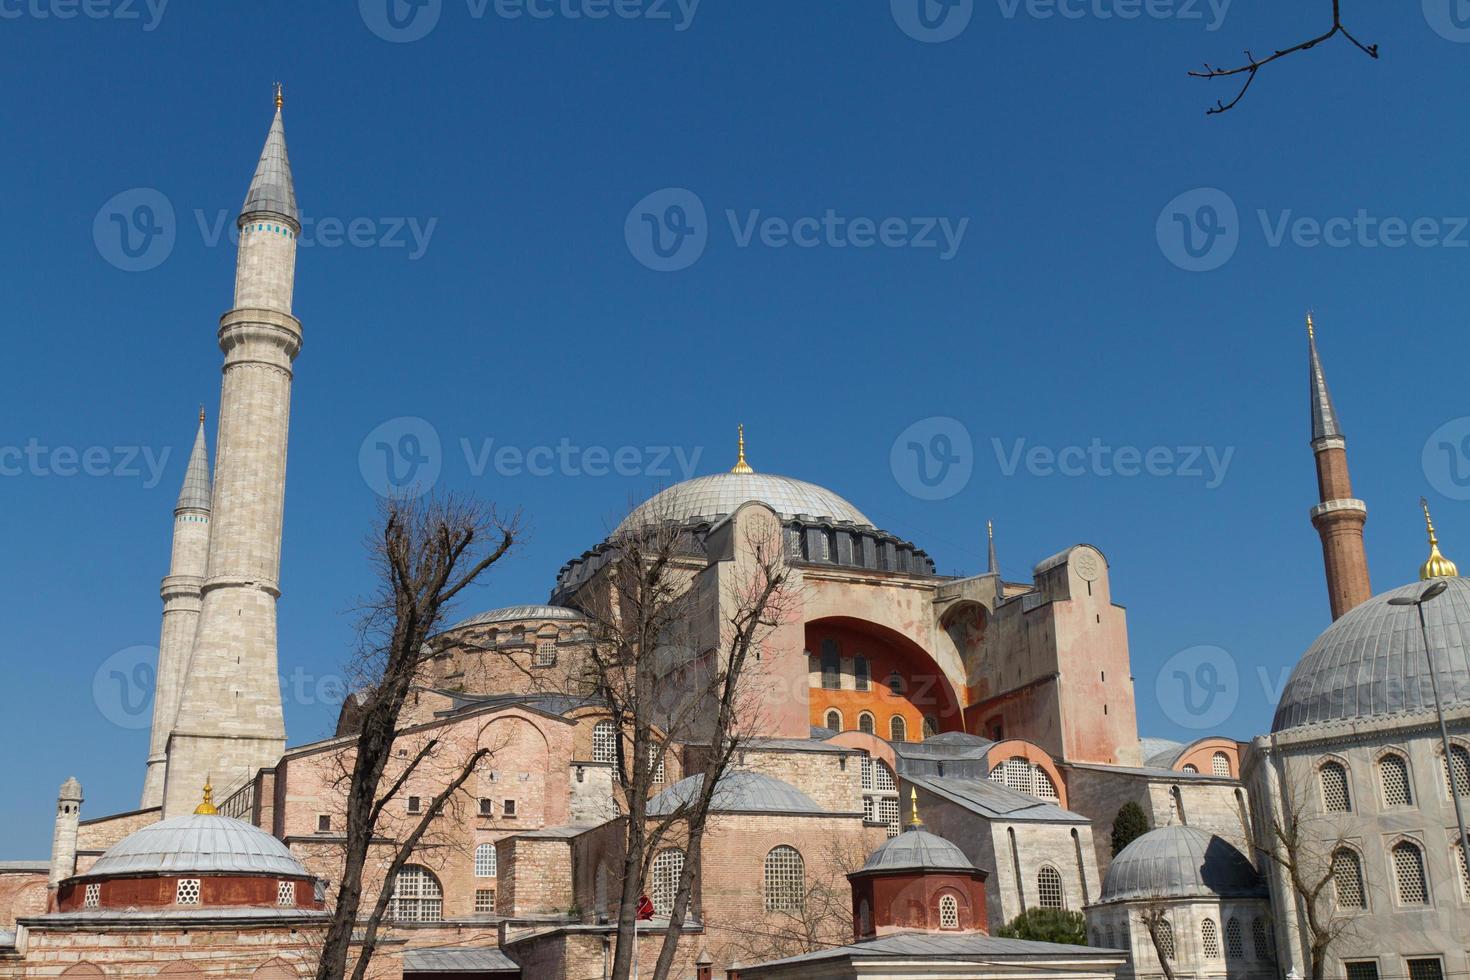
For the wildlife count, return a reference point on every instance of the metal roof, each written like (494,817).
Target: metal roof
(272,189)
(1180,862)
(917,945)
(210,843)
(721,494)
(1159,753)
(1324,416)
(450,959)
(1371,661)
(737,792)
(917,850)
(994,801)
(510,614)
(196,493)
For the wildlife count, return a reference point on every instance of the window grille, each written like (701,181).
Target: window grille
(417,896)
(949,912)
(545,653)
(898,729)
(865,723)
(1234,943)
(1362,970)
(834,720)
(187,891)
(656,763)
(93,897)
(1164,935)
(668,864)
(1220,764)
(415,805)
(324,823)
(1459,762)
(1347,878)
(508,809)
(605,742)
(1394,772)
(931,726)
(485,861)
(1042,785)
(1426,969)
(870,809)
(888,813)
(785,880)
(1191,767)
(1335,795)
(1049,888)
(883,780)
(1261,939)
(286,894)
(487,808)
(1210,936)
(1464,870)
(1408,872)
(1108,938)
(484,901)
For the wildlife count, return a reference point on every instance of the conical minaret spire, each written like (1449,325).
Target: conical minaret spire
(1339,516)
(992,566)
(182,595)
(230,722)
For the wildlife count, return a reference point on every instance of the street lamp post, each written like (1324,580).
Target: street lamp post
(1436,588)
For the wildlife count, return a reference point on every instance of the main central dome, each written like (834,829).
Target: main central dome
(719,495)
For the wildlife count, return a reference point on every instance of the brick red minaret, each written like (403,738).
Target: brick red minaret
(1340,516)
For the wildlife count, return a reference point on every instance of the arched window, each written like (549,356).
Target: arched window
(1049,888)
(668,865)
(1210,937)
(1234,942)
(1261,939)
(1108,938)
(1190,767)
(785,880)
(1393,773)
(865,722)
(605,741)
(865,918)
(1408,874)
(1164,937)
(949,912)
(417,896)
(1457,771)
(931,726)
(860,676)
(1459,859)
(831,666)
(485,861)
(1347,878)
(834,720)
(895,684)
(1335,796)
(1220,764)
(898,729)
(1176,804)
(1041,784)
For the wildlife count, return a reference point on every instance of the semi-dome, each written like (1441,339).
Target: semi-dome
(1180,862)
(1371,661)
(737,792)
(201,842)
(917,850)
(721,494)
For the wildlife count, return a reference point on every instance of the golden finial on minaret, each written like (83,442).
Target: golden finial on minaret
(206,808)
(741,466)
(280,95)
(914,820)
(201,414)
(1436,565)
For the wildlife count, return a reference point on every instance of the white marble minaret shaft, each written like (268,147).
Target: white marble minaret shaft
(230,721)
(181,592)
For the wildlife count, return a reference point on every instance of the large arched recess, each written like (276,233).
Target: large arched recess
(921,692)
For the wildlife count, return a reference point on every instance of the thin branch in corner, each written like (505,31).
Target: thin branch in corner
(1254,64)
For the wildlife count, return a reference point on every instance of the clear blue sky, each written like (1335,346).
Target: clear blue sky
(528,318)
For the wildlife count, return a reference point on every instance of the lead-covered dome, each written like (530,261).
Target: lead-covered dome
(1371,661)
(721,494)
(1180,862)
(204,843)
(917,850)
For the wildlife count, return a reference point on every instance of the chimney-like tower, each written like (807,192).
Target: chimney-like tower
(1340,516)
(64,838)
(229,721)
(181,593)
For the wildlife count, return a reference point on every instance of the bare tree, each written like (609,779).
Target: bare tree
(1254,64)
(426,552)
(823,920)
(1155,916)
(1306,859)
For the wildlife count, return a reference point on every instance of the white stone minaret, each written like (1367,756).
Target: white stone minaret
(229,722)
(64,838)
(182,592)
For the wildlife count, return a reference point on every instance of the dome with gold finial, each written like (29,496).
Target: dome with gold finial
(1436,565)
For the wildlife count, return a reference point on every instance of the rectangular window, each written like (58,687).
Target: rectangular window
(1426,969)
(187,892)
(487,808)
(545,653)
(484,901)
(415,805)
(323,823)
(1362,970)
(508,809)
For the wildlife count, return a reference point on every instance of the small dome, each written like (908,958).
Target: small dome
(511,614)
(206,843)
(1180,862)
(917,850)
(721,494)
(738,792)
(1371,661)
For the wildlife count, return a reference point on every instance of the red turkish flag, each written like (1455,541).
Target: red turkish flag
(645,908)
